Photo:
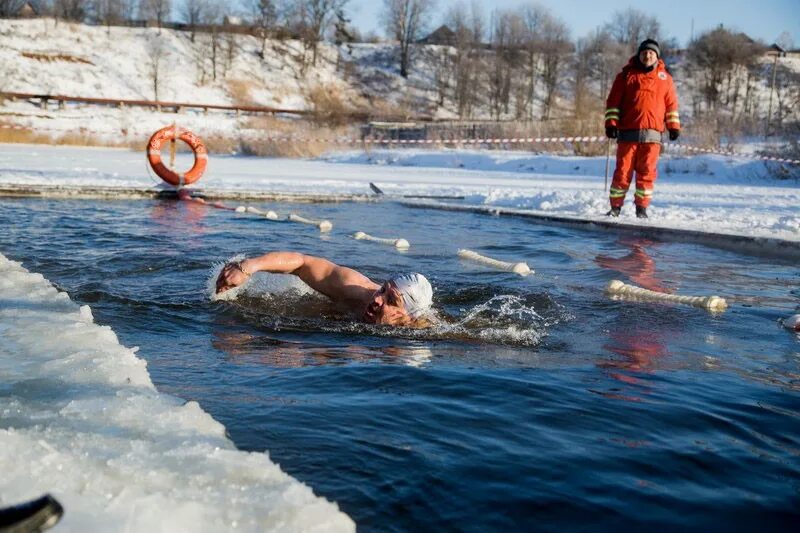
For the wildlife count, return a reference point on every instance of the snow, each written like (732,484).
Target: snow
(706,193)
(83,421)
(44,57)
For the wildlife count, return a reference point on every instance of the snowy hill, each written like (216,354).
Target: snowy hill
(43,56)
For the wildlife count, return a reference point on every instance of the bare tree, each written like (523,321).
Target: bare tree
(264,14)
(631,26)
(507,42)
(156,54)
(312,19)
(468,25)
(555,45)
(215,16)
(604,58)
(206,50)
(158,10)
(230,47)
(405,20)
(715,58)
(787,93)
(442,61)
(110,12)
(73,10)
(9,8)
(194,12)
(532,16)
(597,58)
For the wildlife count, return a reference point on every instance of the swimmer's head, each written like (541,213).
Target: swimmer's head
(416,291)
(403,300)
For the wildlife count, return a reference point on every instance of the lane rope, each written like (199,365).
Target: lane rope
(617,288)
(518,268)
(323,225)
(269,214)
(400,244)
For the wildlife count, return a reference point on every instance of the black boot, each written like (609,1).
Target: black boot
(641,212)
(614,212)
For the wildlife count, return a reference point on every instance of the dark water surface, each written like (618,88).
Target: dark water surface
(541,404)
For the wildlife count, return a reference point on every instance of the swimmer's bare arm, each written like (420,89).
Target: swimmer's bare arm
(332,280)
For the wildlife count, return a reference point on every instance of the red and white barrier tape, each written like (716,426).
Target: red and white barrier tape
(266,137)
(731,153)
(350,140)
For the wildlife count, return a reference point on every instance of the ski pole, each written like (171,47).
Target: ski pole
(608,162)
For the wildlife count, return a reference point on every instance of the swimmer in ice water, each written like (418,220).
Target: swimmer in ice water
(403,300)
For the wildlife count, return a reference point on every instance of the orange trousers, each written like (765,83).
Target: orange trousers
(641,158)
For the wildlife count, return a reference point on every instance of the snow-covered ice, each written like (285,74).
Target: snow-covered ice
(707,193)
(82,420)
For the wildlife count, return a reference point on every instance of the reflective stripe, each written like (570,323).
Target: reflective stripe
(673,117)
(614,192)
(610,109)
(642,193)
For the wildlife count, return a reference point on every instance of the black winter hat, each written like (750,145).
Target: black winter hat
(650,44)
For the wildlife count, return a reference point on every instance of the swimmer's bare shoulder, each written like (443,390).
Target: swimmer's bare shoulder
(339,283)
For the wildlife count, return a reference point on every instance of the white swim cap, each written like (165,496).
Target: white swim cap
(417,292)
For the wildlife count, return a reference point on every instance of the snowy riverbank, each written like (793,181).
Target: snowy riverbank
(83,421)
(701,193)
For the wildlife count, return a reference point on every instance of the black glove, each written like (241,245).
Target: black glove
(611,132)
(674,134)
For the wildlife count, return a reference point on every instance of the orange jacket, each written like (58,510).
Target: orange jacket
(643,100)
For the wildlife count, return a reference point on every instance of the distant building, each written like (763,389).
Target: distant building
(776,50)
(441,35)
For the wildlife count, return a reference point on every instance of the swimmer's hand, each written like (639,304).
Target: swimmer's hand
(232,275)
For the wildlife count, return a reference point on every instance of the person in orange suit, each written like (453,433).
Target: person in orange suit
(641,105)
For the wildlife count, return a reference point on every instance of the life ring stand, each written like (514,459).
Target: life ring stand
(198,149)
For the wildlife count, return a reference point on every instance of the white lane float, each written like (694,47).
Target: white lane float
(518,268)
(269,214)
(323,225)
(400,244)
(715,304)
(793,323)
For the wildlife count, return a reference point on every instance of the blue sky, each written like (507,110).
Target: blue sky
(764,19)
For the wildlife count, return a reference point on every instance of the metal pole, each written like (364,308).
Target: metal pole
(172,146)
(608,162)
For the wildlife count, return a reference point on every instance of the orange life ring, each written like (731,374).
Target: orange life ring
(198,148)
